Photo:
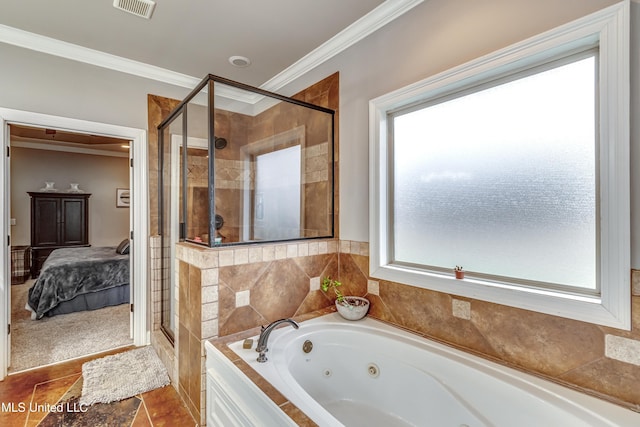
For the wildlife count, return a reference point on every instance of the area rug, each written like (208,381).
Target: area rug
(122,375)
(55,339)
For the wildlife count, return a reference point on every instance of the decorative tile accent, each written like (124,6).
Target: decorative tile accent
(313,248)
(461,309)
(268,253)
(292,251)
(209,311)
(243,298)
(210,277)
(209,294)
(255,254)
(281,252)
(240,256)
(225,258)
(373,287)
(622,349)
(314,284)
(303,249)
(210,329)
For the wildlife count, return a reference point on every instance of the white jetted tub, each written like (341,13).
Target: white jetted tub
(368,373)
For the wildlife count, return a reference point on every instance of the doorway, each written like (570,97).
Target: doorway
(138,215)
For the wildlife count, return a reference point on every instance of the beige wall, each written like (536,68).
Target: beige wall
(98,175)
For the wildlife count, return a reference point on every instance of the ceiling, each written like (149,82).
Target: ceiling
(196,37)
(187,39)
(60,140)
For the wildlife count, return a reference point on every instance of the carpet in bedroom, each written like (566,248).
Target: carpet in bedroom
(54,339)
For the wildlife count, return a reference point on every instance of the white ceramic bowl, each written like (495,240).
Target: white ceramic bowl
(353,312)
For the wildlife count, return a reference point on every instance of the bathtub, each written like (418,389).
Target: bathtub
(368,373)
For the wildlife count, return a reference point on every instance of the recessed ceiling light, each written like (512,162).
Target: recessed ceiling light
(239,61)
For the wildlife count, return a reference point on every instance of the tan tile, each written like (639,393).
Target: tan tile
(241,319)
(165,408)
(379,309)
(226,304)
(535,341)
(195,371)
(315,300)
(428,312)
(49,393)
(354,281)
(610,377)
(299,417)
(142,418)
(242,277)
(635,282)
(314,266)
(281,290)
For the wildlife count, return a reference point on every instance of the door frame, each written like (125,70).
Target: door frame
(138,179)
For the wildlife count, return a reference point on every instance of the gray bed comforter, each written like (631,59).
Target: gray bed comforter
(69,272)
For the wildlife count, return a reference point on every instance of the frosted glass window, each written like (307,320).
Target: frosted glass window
(277,202)
(503,181)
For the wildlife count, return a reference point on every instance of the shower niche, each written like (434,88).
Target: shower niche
(240,165)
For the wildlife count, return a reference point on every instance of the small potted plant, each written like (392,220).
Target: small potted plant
(459,272)
(349,307)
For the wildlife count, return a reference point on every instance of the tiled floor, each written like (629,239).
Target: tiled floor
(48,397)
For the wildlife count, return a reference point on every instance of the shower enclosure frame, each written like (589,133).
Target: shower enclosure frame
(208,83)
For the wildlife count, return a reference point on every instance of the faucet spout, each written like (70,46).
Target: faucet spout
(264,337)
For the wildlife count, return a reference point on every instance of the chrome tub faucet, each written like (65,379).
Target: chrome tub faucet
(264,337)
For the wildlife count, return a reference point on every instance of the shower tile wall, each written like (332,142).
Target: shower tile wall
(206,304)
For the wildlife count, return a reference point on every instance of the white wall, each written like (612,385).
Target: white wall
(98,175)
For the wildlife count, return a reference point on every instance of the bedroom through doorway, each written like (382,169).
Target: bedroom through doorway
(70,202)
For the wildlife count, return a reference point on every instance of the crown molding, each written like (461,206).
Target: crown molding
(380,16)
(74,52)
(369,23)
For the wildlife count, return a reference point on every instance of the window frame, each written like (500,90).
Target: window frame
(607,29)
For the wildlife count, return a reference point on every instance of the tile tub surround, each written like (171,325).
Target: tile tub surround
(595,359)
(253,284)
(222,291)
(288,407)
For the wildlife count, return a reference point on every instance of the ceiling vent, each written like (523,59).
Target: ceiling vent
(141,8)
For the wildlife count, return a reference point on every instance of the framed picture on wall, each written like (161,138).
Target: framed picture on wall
(122,198)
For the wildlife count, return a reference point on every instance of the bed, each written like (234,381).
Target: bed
(79,279)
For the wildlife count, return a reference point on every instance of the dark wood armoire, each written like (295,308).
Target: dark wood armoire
(58,220)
